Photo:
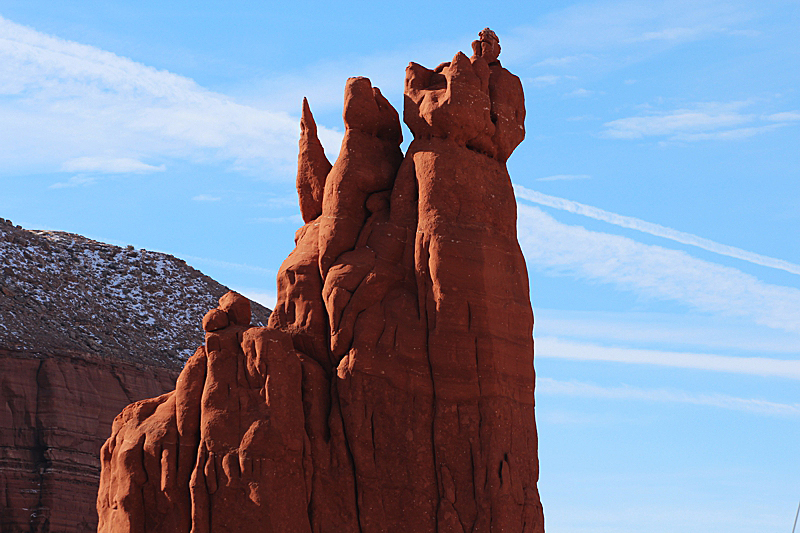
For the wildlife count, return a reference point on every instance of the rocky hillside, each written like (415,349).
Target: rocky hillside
(86,328)
(63,292)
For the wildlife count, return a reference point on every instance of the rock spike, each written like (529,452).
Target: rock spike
(312,167)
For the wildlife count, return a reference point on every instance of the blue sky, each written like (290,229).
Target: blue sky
(659,192)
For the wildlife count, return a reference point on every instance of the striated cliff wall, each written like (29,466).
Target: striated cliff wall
(86,328)
(55,412)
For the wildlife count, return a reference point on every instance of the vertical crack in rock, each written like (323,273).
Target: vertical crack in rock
(121,383)
(392,390)
(40,519)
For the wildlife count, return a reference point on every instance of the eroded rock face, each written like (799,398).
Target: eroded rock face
(56,412)
(86,328)
(392,390)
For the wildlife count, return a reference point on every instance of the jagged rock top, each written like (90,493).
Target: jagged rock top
(61,292)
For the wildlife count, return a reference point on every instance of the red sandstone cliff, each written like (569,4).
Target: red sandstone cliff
(85,329)
(392,390)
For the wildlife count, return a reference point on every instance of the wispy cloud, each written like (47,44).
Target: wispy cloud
(654,271)
(564,61)
(745,33)
(667,124)
(291,219)
(323,82)
(548,386)
(674,34)
(706,121)
(727,135)
(206,198)
(672,331)
(75,99)
(654,229)
(681,121)
(565,177)
(74,181)
(549,415)
(581,93)
(786,116)
(279,202)
(581,351)
(548,79)
(110,165)
(585,30)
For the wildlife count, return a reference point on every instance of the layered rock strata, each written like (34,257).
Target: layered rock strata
(55,413)
(86,328)
(392,390)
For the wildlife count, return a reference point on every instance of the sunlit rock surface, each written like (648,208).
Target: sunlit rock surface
(392,390)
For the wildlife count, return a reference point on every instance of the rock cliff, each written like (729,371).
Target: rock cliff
(392,390)
(85,329)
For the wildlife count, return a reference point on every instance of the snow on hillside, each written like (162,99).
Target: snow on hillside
(64,292)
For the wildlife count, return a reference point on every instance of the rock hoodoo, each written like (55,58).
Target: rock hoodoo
(392,390)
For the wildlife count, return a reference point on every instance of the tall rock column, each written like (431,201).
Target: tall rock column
(393,388)
(434,323)
(467,116)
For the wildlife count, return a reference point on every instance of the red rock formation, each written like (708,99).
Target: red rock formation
(86,328)
(392,390)
(312,167)
(56,411)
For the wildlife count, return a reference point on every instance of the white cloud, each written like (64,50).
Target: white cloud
(548,415)
(323,82)
(728,135)
(674,34)
(291,219)
(654,271)
(278,202)
(548,79)
(786,116)
(73,98)
(642,28)
(692,332)
(565,177)
(206,198)
(653,229)
(110,165)
(745,33)
(563,61)
(581,93)
(754,366)
(705,121)
(548,386)
(681,121)
(581,118)
(74,181)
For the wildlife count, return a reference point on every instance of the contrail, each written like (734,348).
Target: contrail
(653,229)
(554,347)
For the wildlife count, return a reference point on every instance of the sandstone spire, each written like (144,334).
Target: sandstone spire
(312,167)
(393,388)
